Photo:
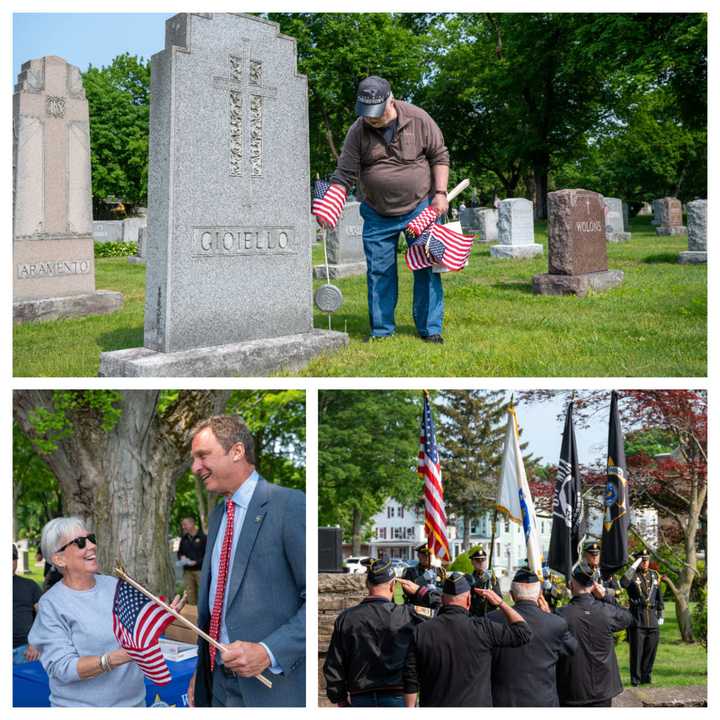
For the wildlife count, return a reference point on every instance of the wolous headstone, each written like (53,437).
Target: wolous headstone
(229,275)
(670,217)
(697,233)
(139,258)
(345,246)
(516,230)
(53,250)
(577,248)
(615,221)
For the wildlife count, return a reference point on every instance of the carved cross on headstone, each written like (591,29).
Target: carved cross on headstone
(246,110)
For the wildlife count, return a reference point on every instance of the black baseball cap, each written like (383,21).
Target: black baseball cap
(372,96)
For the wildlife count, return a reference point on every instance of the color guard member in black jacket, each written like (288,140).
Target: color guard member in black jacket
(591,677)
(525,676)
(450,657)
(646,606)
(366,656)
(481,579)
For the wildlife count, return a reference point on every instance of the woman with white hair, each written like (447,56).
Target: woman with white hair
(73,629)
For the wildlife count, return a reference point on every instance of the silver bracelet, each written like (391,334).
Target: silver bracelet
(104,664)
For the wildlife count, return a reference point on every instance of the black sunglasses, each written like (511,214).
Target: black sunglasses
(81,542)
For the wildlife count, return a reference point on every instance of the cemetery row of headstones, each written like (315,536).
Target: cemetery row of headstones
(228,240)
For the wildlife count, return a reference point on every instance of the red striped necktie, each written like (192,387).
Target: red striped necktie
(222,579)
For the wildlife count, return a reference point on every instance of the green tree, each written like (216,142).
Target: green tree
(367,453)
(471,435)
(119,102)
(336,51)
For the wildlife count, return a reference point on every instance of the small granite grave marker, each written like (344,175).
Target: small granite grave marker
(670,217)
(614,221)
(577,248)
(53,251)
(697,233)
(345,246)
(516,230)
(139,258)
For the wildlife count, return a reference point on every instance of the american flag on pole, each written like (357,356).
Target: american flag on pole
(328,201)
(429,469)
(137,624)
(439,245)
(423,221)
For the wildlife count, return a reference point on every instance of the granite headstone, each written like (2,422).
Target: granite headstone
(471,220)
(516,230)
(53,251)
(615,221)
(626,216)
(697,233)
(577,248)
(229,275)
(139,257)
(670,217)
(108,230)
(345,246)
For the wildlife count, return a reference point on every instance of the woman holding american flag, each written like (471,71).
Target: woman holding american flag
(75,626)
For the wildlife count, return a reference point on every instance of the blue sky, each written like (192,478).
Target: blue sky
(86,38)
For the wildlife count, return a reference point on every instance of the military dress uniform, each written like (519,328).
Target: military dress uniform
(450,657)
(591,677)
(609,583)
(525,676)
(366,655)
(429,577)
(646,606)
(485,580)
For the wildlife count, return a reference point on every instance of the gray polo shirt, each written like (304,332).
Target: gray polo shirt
(71,624)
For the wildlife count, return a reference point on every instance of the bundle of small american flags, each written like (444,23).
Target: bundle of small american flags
(328,201)
(137,624)
(438,245)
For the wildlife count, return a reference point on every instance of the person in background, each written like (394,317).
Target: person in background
(26,594)
(191,553)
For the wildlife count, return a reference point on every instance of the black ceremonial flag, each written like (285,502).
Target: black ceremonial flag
(614,549)
(567,524)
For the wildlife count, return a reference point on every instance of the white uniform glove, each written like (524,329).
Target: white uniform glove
(661,621)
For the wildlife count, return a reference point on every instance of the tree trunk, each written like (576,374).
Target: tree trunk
(540,181)
(682,610)
(121,482)
(356,531)
(466,532)
(202,505)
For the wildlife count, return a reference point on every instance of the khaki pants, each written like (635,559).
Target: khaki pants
(192,585)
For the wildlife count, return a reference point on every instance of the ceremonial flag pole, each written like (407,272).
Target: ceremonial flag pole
(120,572)
(429,469)
(616,521)
(567,533)
(514,498)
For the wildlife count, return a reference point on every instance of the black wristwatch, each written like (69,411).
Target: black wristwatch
(441,192)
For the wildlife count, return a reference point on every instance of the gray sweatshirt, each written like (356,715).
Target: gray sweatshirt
(71,624)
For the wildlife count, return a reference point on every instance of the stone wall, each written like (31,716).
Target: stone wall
(336,591)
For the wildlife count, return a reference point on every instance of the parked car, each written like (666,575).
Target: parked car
(399,566)
(354,565)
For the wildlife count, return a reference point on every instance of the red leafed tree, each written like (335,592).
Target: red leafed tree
(674,484)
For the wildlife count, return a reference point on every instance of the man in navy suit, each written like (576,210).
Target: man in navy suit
(258,613)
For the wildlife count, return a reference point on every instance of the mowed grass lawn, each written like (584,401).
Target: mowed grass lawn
(655,324)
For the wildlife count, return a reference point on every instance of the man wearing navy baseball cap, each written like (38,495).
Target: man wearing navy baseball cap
(396,154)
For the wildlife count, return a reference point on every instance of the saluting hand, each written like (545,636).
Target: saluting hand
(492,597)
(245,659)
(408,586)
(543,604)
(598,590)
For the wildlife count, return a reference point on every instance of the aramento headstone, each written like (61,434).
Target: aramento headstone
(516,230)
(53,249)
(577,248)
(697,233)
(615,221)
(229,274)
(345,246)
(670,217)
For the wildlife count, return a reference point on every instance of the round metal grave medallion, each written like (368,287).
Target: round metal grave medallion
(328,298)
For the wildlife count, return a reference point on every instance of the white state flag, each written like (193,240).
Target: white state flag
(514,498)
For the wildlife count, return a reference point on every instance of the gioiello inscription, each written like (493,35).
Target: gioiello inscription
(211,241)
(58,268)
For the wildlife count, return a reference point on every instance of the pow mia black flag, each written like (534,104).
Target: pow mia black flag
(614,548)
(567,524)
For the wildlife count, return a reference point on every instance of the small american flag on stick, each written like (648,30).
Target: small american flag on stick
(429,469)
(328,201)
(137,625)
(439,245)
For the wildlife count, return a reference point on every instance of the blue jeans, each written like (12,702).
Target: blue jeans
(380,240)
(374,699)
